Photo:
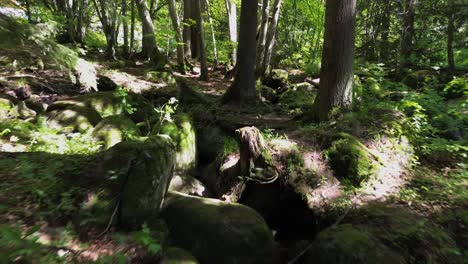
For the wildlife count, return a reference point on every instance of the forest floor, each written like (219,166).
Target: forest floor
(434,191)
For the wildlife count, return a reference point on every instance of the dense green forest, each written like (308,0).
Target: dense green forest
(233,131)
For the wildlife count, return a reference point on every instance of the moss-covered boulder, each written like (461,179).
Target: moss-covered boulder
(421,78)
(188,185)
(218,232)
(346,244)
(298,95)
(140,172)
(160,76)
(22,111)
(381,234)
(6,105)
(110,103)
(277,79)
(267,94)
(114,129)
(174,255)
(456,88)
(350,159)
(182,132)
(77,118)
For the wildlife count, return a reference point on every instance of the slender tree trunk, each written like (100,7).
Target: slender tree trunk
(149,46)
(178,36)
(336,76)
(385,31)
(213,37)
(262,36)
(187,28)
(407,33)
(132,28)
(201,37)
(125,27)
(82,21)
(450,33)
(243,89)
(231,9)
(271,39)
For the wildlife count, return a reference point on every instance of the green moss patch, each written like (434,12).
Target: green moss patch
(114,129)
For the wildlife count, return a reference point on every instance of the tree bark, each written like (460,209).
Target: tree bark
(149,46)
(201,38)
(132,28)
(271,39)
(213,37)
(407,33)
(336,75)
(262,36)
(243,89)
(231,9)
(385,31)
(178,36)
(450,33)
(187,29)
(125,27)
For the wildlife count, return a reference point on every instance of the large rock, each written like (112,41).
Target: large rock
(299,95)
(218,232)
(114,129)
(110,103)
(347,244)
(182,133)
(7,103)
(210,143)
(350,159)
(78,118)
(175,255)
(421,78)
(188,185)
(85,74)
(277,79)
(142,171)
(382,234)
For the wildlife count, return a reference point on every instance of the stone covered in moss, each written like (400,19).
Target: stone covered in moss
(110,103)
(141,171)
(218,232)
(174,255)
(277,79)
(182,133)
(7,103)
(114,129)
(78,118)
(349,159)
(298,95)
(160,76)
(419,79)
(347,244)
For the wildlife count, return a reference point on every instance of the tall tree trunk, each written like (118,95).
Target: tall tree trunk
(108,22)
(243,89)
(178,36)
(450,33)
(82,21)
(271,39)
(187,35)
(262,36)
(407,33)
(231,9)
(213,37)
(125,27)
(385,31)
(336,76)
(132,28)
(149,46)
(201,38)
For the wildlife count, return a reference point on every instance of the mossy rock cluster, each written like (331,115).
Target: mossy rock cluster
(298,95)
(277,79)
(350,159)
(174,255)
(218,232)
(182,132)
(141,172)
(114,129)
(82,112)
(421,78)
(456,88)
(381,234)
(160,76)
